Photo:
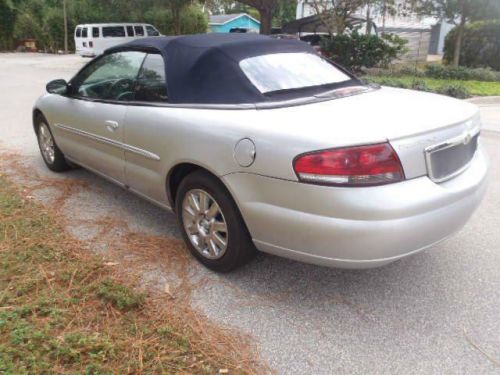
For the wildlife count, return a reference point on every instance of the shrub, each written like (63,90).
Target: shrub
(455,91)
(410,70)
(393,82)
(420,85)
(193,20)
(480,46)
(355,50)
(461,73)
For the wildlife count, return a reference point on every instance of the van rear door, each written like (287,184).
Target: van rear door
(78,39)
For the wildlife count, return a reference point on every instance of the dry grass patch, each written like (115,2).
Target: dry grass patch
(64,310)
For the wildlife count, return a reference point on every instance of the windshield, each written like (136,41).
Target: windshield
(286,71)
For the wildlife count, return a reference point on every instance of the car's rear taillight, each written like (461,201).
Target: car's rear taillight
(91,44)
(351,166)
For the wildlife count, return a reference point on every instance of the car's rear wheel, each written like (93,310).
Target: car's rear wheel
(51,154)
(211,223)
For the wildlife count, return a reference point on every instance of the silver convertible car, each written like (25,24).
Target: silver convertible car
(258,143)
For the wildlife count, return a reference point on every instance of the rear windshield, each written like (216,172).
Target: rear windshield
(113,31)
(288,71)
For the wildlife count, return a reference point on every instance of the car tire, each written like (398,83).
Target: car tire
(199,234)
(51,154)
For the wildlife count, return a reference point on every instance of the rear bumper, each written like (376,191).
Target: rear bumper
(85,53)
(356,227)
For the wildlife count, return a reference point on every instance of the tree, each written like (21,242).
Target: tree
(65,16)
(286,12)
(458,12)
(177,7)
(44,19)
(335,14)
(7,24)
(217,6)
(266,10)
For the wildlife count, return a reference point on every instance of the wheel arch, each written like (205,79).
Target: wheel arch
(179,171)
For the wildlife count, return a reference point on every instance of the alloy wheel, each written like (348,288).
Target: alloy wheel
(46,143)
(204,224)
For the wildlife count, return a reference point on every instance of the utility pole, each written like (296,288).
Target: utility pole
(65,27)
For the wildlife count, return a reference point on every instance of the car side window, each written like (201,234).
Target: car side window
(151,83)
(111,77)
(130,31)
(152,31)
(139,30)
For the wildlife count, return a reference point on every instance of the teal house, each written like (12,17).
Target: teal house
(224,23)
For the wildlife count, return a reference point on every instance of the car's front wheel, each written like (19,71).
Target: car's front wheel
(211,223)
(52,156)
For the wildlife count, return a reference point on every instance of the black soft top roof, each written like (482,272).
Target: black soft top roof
(204,68)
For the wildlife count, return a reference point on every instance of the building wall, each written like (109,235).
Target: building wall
(245,22)
(418,44)
(412,28)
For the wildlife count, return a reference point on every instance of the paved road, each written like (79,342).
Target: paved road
(490,112)
(437,312)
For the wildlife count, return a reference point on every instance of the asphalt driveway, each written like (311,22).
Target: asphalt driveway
(436,312)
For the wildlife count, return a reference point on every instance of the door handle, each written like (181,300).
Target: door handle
(112,125)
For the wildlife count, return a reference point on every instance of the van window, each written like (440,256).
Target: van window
(95,32)
(152,31)
(139,30)
(78,33)
(130,31)
(113,31)
(151,84)
(84,33)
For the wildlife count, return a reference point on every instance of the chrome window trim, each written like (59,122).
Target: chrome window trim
(323,97)
(112,142)
(463,138)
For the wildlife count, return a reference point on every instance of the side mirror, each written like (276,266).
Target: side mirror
(58,86)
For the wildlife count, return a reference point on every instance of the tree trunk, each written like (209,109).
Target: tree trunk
(459,40)
(65,14)
(266,21)
(368,18)
(176,15)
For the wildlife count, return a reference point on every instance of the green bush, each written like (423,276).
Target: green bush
(193,20)
(393,82)
(461,73)
(420,85)
(355,51)
(455,91)
(480,46)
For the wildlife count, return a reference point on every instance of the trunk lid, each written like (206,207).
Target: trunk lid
(411,121)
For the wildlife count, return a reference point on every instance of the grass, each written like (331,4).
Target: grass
(475,88)
(65,311)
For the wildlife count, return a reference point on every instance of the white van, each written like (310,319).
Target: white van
(92,39)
